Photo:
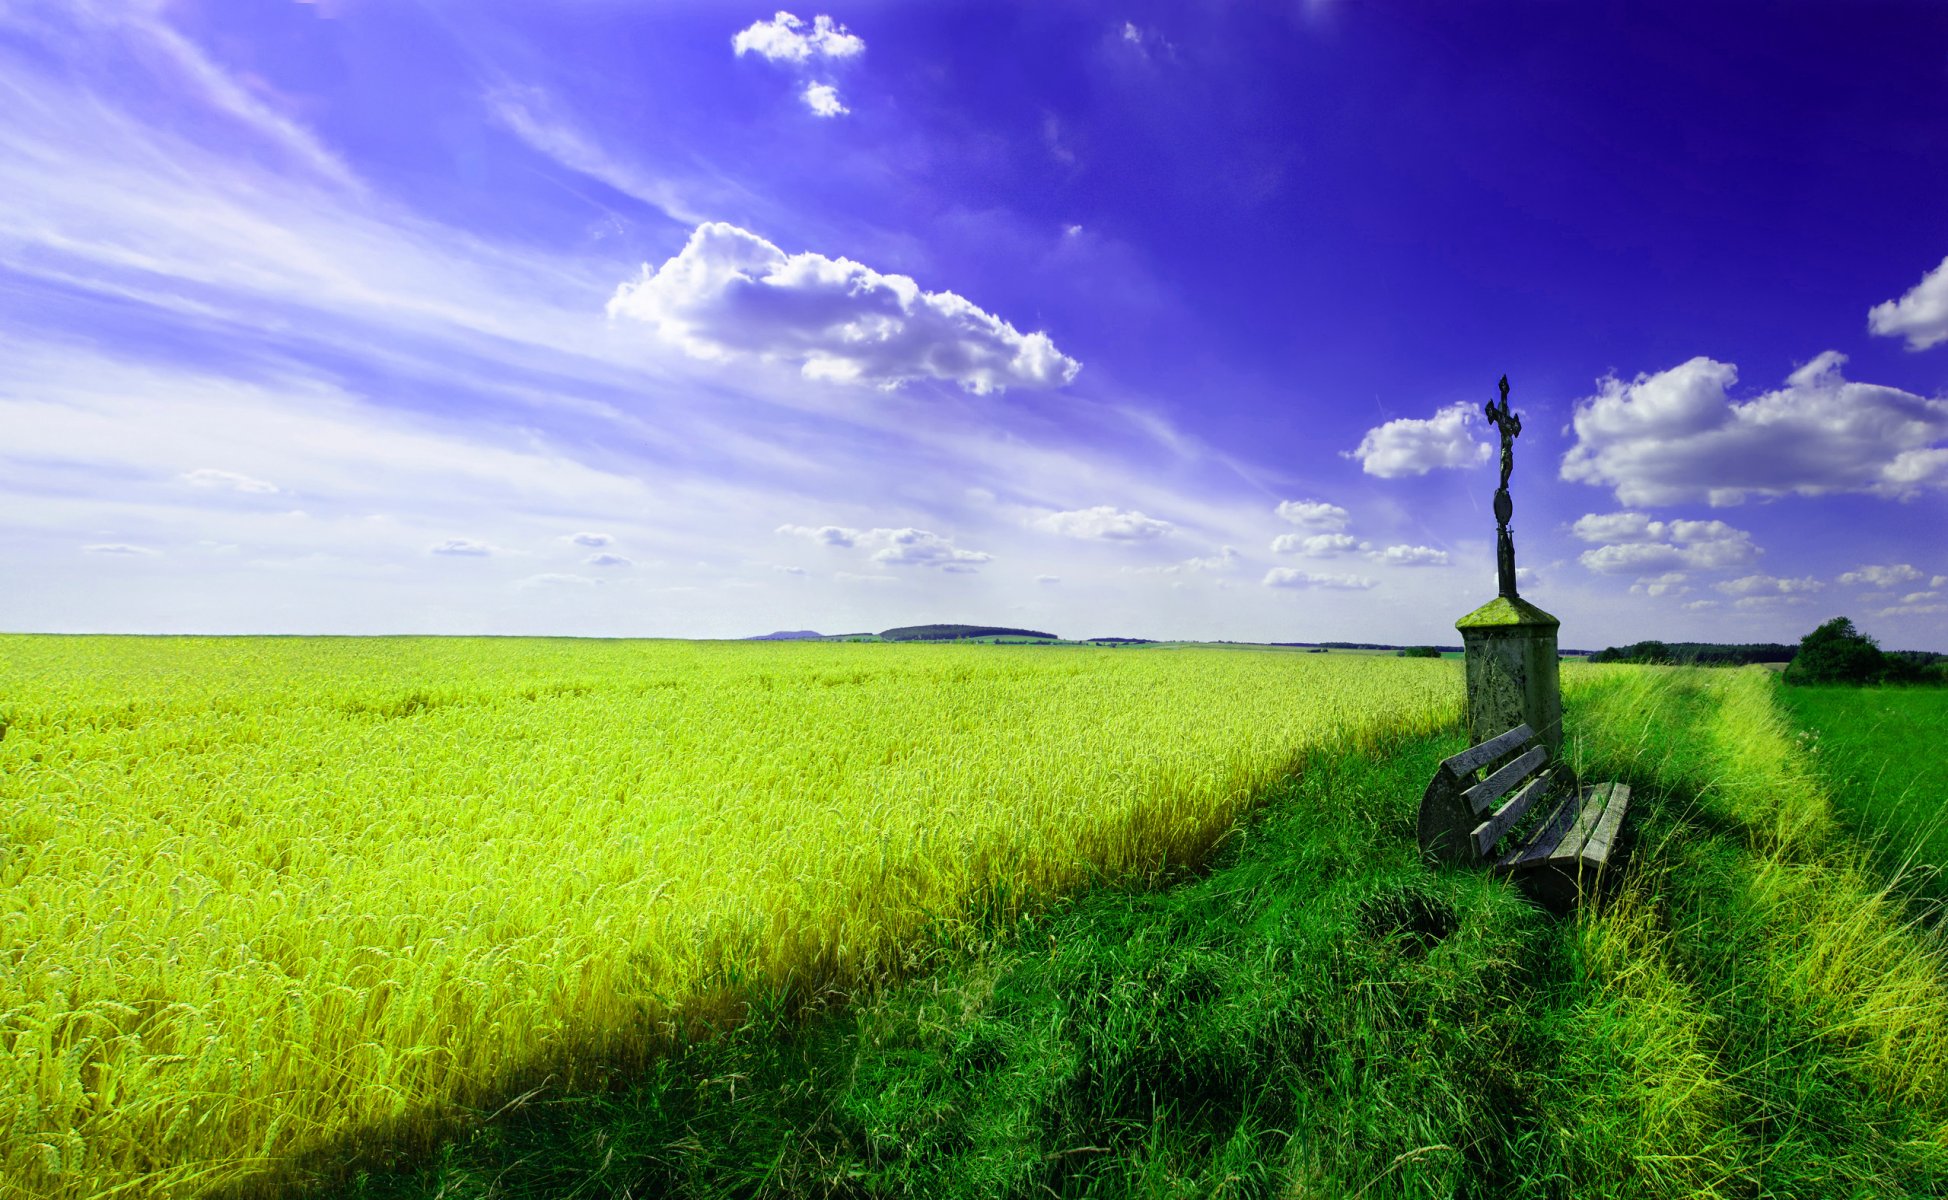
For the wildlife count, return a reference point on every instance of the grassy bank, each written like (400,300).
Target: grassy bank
(1880,755)
(1320,1015)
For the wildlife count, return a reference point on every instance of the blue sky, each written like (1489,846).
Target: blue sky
(703,319)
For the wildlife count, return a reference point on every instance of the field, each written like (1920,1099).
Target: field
(1882,754)
(272,900)
(418,919)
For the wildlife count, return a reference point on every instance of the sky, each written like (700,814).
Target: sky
(1171,319)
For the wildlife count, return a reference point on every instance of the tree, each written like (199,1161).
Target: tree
(1836,652)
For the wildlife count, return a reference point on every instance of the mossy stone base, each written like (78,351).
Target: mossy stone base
(1511,671)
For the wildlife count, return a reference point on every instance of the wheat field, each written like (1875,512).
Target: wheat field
(265,894)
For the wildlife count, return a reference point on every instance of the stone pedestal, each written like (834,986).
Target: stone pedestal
(1511,667)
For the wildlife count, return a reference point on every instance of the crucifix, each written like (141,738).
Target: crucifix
(1510,426)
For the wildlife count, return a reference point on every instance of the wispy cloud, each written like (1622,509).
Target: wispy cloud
(1288,577)
(209,477)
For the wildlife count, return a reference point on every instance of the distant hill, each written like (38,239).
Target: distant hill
(787,635)
(954,633)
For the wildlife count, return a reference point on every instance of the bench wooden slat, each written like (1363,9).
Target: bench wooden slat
(1489,790)
(1474,757)
(1490,831)
(1568,828)
(1597,850)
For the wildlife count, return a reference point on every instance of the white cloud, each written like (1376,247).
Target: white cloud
(782,569)
(824,535)
(919,548)
(552,579)
(1131,33)
(465,547)
(1921,315)
(1671,583)
(1105,523)
(906,547)
(1314,514)
(783,39)
(851,577)
(609,560)
(1701,605)
(591,540)
(823,100)
(1413,556)
(1318,545)
(1664,545)
(1048,580)
(1920,597)
(118,548)
(1226,559)
(1938,581)
(1753,585)
(730,293)
(1881,576)
(1414,447)
(1288,577)
(210,477)
(1910,610)
(1617,527)
(1677,435)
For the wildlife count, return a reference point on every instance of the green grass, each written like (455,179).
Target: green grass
(1320,1015)
(1882,756)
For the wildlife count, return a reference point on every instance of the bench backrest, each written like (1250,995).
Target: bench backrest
(1464,813)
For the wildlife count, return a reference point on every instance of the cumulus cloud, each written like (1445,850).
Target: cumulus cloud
(1677,435)
(1412,556)
(210,477)
(1920,597)
(1106,523)
(1414,447)
(466,547)
(1921,315)
(784,38)
(591,540)
(906,547)
(1314,514)
(1910,610)
(1768,585)
(1881,576)
(730,293)
(1318,545)
(1938,581)
(118,548)
(609,560)
(823,100)
(1288,577)
(1662,545)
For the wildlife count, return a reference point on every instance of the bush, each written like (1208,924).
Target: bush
(1418,652)
(1836,652)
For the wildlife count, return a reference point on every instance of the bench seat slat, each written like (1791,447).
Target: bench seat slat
(1568,828)
(1597,851)
(1491,789)
(1490,831)
(1470,760)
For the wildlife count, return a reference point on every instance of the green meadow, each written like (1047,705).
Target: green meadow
(1881,753)
(436,918)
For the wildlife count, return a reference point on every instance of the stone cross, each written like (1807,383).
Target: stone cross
(1510,426)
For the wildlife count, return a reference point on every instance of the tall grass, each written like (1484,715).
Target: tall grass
(262,895)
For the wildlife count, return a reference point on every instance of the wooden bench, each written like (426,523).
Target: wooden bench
(1566,846)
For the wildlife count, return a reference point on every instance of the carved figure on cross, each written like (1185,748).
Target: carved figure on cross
(1510,426)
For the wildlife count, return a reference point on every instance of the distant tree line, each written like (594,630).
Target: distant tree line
(953,633)
(1705,654)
